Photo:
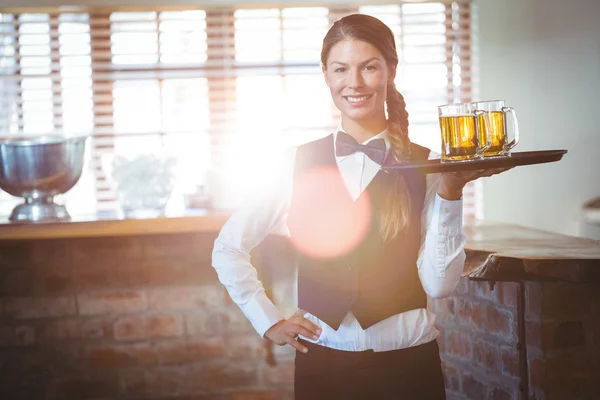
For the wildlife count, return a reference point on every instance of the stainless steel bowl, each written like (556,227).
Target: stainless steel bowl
(38,169)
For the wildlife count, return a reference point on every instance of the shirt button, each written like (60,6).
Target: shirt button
(446,210)
(444,225)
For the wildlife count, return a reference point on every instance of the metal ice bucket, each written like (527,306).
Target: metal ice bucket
(38,169)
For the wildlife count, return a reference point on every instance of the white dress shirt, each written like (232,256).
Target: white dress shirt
(440,260)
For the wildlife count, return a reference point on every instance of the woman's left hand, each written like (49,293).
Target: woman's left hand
(452,183)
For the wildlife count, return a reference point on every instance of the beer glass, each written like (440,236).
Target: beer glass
(461,133)
(492,117)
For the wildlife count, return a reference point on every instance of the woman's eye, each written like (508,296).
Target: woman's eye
(340,69)
(370,68)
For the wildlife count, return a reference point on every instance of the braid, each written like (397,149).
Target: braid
(396,210)
(397,123)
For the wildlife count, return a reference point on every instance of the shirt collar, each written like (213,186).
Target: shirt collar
(383,134)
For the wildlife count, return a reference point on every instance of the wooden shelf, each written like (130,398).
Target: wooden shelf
(111,224)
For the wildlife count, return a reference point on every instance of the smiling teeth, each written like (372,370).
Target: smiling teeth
(357,99)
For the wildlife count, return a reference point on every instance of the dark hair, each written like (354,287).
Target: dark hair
(395,215)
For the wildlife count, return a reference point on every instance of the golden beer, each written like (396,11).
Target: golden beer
(493,123)
(459,137)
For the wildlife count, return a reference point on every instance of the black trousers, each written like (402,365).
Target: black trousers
(405,374)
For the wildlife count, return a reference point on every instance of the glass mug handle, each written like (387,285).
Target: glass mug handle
(513,114)
(487,129)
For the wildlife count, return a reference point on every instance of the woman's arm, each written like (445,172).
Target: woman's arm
(265,213)
(441,257)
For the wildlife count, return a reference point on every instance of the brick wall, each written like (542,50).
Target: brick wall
(127,318)
(146,318)
(479,335)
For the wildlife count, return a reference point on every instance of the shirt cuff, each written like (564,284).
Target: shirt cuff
(262,313)
(447,216)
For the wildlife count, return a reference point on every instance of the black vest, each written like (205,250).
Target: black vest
(375,280)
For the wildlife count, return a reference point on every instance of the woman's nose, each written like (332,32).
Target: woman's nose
(355,79)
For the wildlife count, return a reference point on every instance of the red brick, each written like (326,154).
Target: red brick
(107,275)
(76,328)
(444,310)
(441,339)
(250,345)
(207,348)
(111,302)
(16,254)
(53,280)
(223,375)
(507,293)
(483,290)
(280,374)
(120,355)
(79,386)
(261,395)
(148,327)
(17,336)
(487,355)
(166,272)
(472,388)
(146,383)
(17,281)
(133,383)
(31,282)
(167,381)
(499,322)
(459,344)
(86,251)
(510,362)
(231,321)
(499,394)
(463,286)
(471,313)
(452,377)
(181,351)
(39,307)
(49,253)
(193,245)
(185,298)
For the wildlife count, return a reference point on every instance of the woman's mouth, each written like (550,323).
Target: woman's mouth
(358,100)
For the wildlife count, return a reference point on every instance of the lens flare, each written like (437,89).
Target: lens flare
(324,220)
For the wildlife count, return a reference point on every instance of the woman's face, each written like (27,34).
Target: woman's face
(357,76)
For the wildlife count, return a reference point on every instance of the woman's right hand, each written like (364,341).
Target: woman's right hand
(287,330)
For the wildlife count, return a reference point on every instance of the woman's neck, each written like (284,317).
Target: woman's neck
(363,131)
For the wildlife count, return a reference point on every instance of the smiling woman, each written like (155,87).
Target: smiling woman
(194,81)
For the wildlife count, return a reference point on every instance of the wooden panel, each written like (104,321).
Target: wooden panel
(512,253)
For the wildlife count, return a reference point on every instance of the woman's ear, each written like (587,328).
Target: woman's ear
(391,75)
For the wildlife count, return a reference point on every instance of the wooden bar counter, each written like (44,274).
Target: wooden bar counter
(495,252)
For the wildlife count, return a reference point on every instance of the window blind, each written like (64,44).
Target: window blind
(221,88)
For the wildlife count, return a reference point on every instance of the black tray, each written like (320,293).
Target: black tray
(514,160)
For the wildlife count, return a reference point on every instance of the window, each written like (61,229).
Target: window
(221,88)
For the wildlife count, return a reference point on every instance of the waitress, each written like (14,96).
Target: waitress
(371,244)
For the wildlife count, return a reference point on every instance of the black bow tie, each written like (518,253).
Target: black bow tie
(346,145)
